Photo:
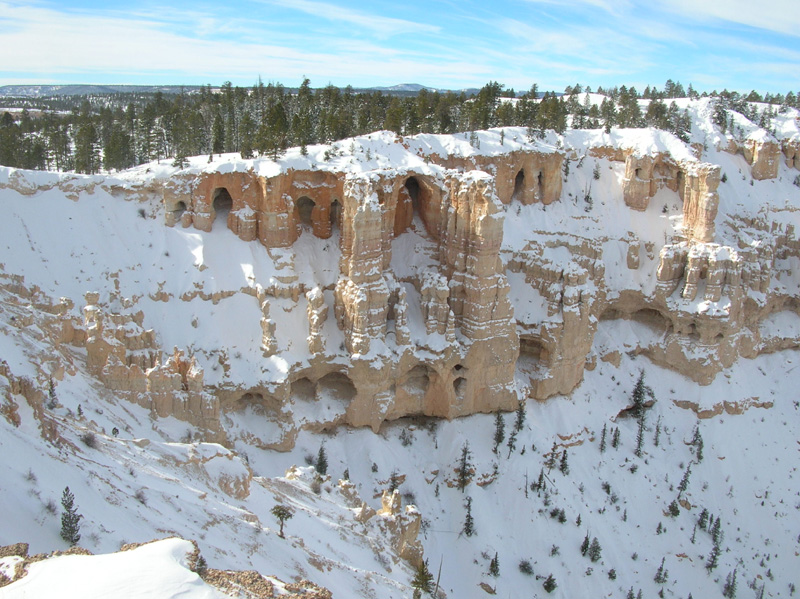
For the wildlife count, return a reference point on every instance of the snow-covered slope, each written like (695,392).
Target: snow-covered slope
(137,477)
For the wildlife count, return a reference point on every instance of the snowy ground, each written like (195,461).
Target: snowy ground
(153,480)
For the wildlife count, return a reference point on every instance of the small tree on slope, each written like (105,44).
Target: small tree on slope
(499,430)
(322,461)
(423,580)
(282,513)
(464,467)
(70,518)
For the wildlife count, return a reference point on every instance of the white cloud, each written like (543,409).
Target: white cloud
(381,26)
(782,16)
(54,43)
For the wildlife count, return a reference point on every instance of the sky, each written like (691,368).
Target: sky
(453,44)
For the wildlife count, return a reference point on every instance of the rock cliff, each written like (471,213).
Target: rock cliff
(424,276)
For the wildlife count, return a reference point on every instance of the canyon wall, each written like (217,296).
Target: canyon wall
(443,338)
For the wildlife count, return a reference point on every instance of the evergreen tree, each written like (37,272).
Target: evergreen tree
(595,550)
(70,518)
(713,558)
(585,544)
(702,520)
(552,457)
(540,483)
(520,416)
(218,133)
(499,430)
(512,442)
(118,153)
(603,440)
(423,580)
(282,513)
(494,566)
(563,465)
(638,396)
(640,437)
(469,524)
(729,589)
(662,575)
(201,566)
(615,438)
(322,461)
(464,470)
(550,584)
(684,484)
(87,152)
(608,114)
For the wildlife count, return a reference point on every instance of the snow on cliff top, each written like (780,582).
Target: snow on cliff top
(153,571)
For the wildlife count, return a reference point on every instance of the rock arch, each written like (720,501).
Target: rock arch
(415,197)
(305,207)
(221,202)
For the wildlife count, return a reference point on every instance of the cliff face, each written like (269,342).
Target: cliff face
(430,278)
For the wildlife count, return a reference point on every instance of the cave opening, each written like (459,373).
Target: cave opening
(222,202)
(336,215)
(519,186)
(413,198)
(540,186)
(305,209)
(336,385)
(460,388)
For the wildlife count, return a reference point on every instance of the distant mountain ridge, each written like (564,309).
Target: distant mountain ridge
(40,91)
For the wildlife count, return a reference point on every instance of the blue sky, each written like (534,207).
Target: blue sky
(713,44)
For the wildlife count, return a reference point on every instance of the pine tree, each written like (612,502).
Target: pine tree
(469,524)
(87,151)
(585,545)
(702,520)
(684,484)
(603,440)
(499,430)
(640,437)
(657,435)
(394,481)
(550,584)
(595,551)
(423,580)
(322,461)
(615,438)
(662,575)
(70,518)
(494,566)
(713,558)
(520,420)
(512,442)
(729,589)
(540,483)
(563,465)
(640,392)
(52,400)
(282,513)
(464,470)
(552,457)
(200,566)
